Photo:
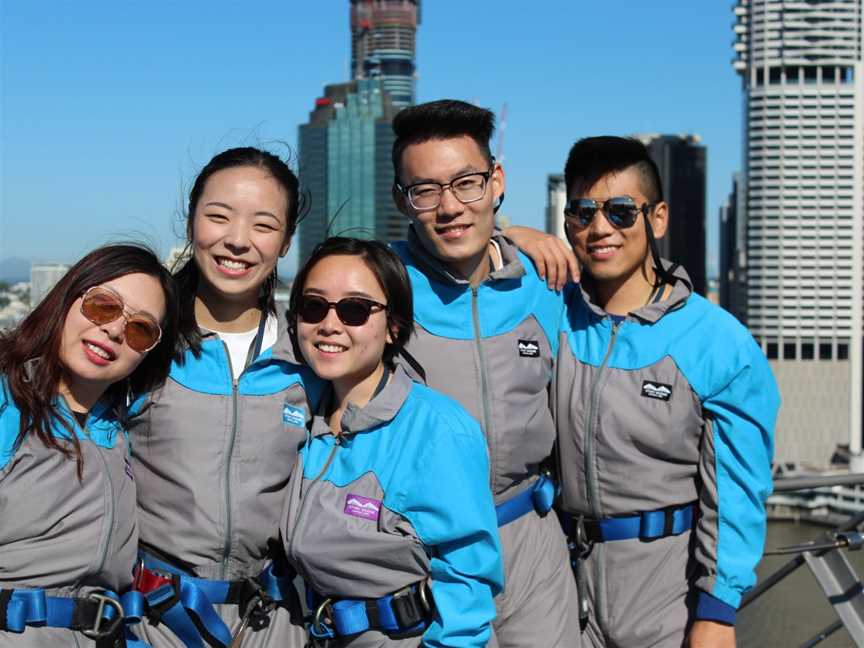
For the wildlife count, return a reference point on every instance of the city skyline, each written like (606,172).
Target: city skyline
(112,141)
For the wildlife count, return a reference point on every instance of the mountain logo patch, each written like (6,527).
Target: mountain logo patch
(362,507)
(293,415)
(529,349)
(658,390)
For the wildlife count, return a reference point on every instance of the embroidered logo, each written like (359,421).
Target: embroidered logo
(529,349)
(128,468)
(293,415)
(651,389)
(362,507)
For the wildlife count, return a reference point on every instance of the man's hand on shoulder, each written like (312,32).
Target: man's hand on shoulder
(553,257)
(710,634)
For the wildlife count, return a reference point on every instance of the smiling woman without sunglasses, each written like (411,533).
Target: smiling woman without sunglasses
(214,448)
(68,535)
(389,518)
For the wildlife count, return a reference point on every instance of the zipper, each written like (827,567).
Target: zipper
(104,557)
(591,470)
(226,549)
(337,443)
(484,387)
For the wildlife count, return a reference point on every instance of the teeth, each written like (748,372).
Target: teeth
(330,348)
(608,248)
(233,265)
(102,353)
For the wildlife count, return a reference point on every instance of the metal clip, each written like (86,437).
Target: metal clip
(98,631)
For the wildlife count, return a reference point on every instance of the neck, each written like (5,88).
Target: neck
(475,269)
(358,390)
(226,316)
(625,294)
(80,397)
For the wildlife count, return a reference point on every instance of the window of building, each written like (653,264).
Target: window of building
(807,351)
(842,351)
(771,350)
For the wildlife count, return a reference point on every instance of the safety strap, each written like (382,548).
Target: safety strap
(539,497)
(185,603)
(98,615)
(405,612)
(647,525)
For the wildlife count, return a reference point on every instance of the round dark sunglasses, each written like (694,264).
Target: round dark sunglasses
(351,311)
(620,211)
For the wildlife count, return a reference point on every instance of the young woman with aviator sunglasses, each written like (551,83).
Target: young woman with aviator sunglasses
(68,537)
(389,516)
(214,448)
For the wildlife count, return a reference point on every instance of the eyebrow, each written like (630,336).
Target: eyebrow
(461,172)
(351,293)
(216,203)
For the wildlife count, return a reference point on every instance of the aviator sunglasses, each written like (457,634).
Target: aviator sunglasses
(620,211)
(351,311)
(101,305)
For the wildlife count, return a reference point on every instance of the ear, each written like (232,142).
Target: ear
(659,218)
(392,332)
(498,182)
(401,201)
(286,245)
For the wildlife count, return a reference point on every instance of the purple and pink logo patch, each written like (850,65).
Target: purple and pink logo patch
(362,507)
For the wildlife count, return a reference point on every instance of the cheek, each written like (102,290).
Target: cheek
(269,247)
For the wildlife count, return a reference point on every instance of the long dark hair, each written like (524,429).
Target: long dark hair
(388,269)
(188,275)
(30,353)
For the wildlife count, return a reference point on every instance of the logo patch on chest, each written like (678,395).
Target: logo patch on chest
(529,349)
(293,415)
(658,390)
(362,507)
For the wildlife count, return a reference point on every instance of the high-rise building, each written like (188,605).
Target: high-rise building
(802,69)
(345,147)
(43,277)
(733,257)
(556,196)
(681,160)
(383,44)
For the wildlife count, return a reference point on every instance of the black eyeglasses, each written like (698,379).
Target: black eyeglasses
(351,311)
(620,211)
(467,188)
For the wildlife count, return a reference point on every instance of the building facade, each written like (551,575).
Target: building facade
(803,80)
(43,277)
(733,254)
(556,197)
(681,161)
(345,148)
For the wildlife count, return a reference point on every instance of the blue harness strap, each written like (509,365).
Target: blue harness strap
(405,612)
(185,605)
(99,614)
(539,497)
(647,525)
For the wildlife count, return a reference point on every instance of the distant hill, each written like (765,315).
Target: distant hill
(13,270)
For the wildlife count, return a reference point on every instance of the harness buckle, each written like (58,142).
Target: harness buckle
(320,628)
(257,606)
(668,522)
(98,631)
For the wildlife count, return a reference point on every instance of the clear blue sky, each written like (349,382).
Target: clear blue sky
(107,109)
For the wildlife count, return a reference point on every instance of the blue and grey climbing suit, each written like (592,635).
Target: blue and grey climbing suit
(212,458)
(491,348)
(67,547)
(392,526)
(665,435)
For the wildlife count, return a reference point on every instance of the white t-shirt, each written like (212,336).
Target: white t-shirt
(238,343)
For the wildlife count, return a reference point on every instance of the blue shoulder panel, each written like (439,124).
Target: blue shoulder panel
(10,421)
(209,373)
(445,310)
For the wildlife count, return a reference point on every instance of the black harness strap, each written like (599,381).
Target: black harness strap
(5,597)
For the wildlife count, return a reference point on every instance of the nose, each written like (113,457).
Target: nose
(331,322)
(600,225)
(450,205)
(114,330)
(237,236)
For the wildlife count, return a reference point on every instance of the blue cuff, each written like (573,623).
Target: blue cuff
(710,608)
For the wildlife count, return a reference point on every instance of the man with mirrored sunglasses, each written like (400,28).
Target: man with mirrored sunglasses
(665,410)
(485,334)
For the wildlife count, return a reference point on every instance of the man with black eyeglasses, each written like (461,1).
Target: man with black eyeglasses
(665,412)
(486,334)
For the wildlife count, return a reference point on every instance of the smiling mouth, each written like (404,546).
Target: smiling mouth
(602,250)
(452,231)
(232,266)
(99,351)
(329,347)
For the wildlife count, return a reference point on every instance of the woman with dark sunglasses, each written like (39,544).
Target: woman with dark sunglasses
(68,536)
(389,517)
(214,448)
